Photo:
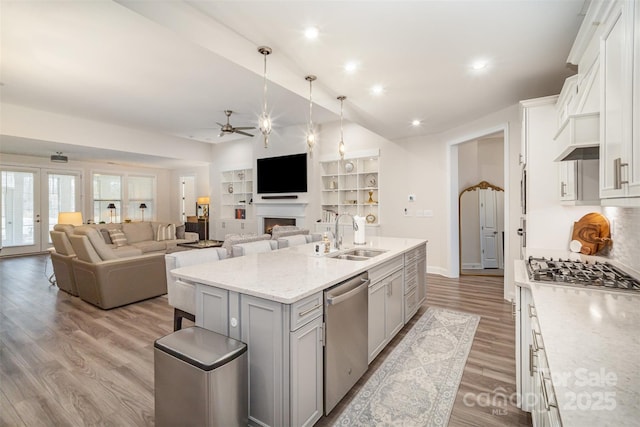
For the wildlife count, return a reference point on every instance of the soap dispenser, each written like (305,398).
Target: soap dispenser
(327,243)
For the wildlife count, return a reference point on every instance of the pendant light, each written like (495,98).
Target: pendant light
(265,119)
(341,148)
(311,136)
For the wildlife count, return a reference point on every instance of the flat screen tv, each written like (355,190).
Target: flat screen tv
(283,174)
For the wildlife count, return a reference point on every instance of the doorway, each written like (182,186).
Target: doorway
(481,233)
(482,159)
(31,200)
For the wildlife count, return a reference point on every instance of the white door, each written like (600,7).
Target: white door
(488,229)
(32,198)
(21,223)
(62,195)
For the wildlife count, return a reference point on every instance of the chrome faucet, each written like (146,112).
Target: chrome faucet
(337,242)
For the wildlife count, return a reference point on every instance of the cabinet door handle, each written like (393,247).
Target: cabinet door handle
(617,173)
(304,313)
(562,187)
(536,346)
(545,394)
(532,311)
(532,367)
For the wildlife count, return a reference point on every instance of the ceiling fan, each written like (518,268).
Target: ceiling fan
(227,128)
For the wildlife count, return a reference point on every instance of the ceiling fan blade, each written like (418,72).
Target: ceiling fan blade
(242,133)
(244,127)
(219,124)
(221,134)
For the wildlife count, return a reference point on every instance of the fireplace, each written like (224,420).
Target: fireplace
(284,212)
(269,223)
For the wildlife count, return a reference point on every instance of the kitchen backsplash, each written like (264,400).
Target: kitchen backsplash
(625,234)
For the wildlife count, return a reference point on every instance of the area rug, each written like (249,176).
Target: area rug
(417,383)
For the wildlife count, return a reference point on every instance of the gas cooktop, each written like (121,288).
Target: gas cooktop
(581,273)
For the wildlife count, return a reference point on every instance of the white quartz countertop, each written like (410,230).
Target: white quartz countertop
(290,274)
(592,341)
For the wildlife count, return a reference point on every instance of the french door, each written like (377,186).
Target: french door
(30,203)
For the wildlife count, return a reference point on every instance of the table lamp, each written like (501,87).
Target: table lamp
(73,218)
(143,206)
(112,208)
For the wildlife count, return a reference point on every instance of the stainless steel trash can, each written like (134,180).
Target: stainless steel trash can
(200,379)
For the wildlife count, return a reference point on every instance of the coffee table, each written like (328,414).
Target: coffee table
(202,244)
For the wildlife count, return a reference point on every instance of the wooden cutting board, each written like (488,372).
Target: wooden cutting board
(593,232)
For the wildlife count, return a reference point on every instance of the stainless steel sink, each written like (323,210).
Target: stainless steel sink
(366,253)
(352,257)
(359,254)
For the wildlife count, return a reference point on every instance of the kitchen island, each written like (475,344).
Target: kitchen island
(581,366)
(274,302)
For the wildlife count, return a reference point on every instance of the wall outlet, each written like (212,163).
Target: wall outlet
(412,197)
(407,212)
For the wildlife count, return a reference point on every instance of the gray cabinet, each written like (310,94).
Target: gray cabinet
(306,373)
(285,351)
(212,308)
(262,328)
(415,281)
(385,312)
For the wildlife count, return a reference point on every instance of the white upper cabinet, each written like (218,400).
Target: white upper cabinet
(619,157)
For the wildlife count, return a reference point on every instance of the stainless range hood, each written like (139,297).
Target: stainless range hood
(579,137)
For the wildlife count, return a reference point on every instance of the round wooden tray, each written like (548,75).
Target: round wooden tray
(593,232)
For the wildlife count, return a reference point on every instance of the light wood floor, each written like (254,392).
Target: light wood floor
(64,362)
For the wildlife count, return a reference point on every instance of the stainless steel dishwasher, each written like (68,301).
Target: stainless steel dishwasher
(345,352)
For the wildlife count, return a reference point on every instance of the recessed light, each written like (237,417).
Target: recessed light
(416,122)
(351,67)
(311,33)
(377,89)
(479,65)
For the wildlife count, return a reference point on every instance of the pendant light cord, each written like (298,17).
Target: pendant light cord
(264,109)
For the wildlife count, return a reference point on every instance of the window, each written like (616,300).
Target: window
(140,190)
(62,195)
(187,197)
(107,189)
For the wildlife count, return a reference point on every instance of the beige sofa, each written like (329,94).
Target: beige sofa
(110,275)
(142,237)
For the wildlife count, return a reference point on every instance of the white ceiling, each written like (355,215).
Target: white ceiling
(173,67)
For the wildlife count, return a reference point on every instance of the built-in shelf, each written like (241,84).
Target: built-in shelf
(236,194)
(351,186)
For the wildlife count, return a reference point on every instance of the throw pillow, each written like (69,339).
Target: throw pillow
(180,231)
(117,237)
(166,232)
(106,236)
